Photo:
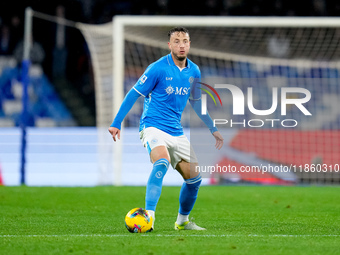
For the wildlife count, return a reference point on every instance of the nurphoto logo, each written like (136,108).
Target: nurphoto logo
(238,105)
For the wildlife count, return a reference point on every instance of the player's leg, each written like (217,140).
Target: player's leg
(188,195)
(160,159)
(156,143)
(192,181)
(189,190)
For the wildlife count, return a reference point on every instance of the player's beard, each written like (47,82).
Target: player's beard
(180,58)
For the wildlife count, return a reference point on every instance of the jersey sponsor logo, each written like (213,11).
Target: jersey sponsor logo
(182,91)
(191,79)
(168,78)
(169,90)
(178,91)
(143,78)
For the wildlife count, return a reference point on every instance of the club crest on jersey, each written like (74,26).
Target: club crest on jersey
(143,78)
(169,90)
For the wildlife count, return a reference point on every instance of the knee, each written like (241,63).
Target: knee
(194,183)
(159,152)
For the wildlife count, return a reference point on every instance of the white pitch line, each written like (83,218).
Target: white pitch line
(165,235)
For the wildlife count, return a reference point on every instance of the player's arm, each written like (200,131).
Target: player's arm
(196,102)
(142,88)
(129,100)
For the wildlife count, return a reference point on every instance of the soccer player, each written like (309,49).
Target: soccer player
(166,86)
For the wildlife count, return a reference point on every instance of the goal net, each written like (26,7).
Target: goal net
(268,55)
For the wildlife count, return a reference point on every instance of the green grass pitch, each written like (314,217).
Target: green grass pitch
(239,220)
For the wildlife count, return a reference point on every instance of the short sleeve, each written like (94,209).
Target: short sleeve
(147,81)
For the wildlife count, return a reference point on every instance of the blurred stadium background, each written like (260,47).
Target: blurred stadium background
(71,98)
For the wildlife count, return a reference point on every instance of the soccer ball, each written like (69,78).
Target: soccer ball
(138,221)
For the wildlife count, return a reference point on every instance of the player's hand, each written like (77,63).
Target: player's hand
(114,131)
(219,140)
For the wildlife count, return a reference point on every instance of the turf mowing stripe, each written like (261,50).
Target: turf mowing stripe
(167,235)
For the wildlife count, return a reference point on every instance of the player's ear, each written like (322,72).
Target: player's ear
(169,45)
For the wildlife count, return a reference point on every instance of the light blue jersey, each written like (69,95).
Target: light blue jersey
(166,89)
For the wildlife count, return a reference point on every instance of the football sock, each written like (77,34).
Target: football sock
(187,197)
(154,185)
(152,214)
(182,218)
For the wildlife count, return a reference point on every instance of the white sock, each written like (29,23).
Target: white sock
(152,214)
(182,218)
